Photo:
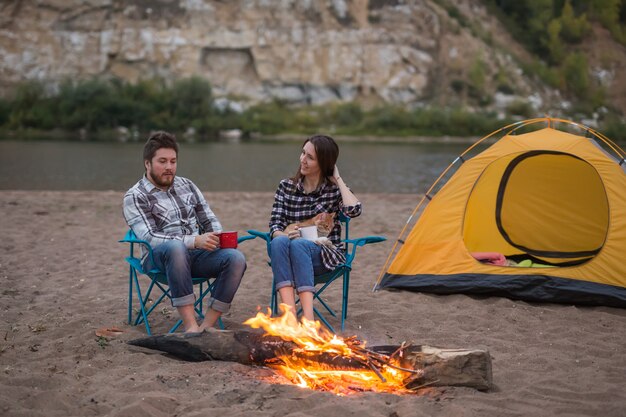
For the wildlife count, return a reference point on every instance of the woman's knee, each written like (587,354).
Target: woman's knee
(301,247)
(300,243)
(280,242)
(279,248)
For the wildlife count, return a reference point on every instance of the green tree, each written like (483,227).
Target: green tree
(387,119)
(190,99)
(554,44)
(573,28)
(477,74)
(27,97)
(268,118)
(348,115)
(527,19)
(575,74)
(610,13)
(5,111)
(147,98)
(503,83)
(607,11)
(538,15)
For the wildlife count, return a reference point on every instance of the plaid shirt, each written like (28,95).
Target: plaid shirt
(292,204)
(180,213)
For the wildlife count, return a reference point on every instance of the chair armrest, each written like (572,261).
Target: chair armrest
(362,241)
(128,239)
(263,235)
(131,238)
(244,238)
(365,240)
(135,240)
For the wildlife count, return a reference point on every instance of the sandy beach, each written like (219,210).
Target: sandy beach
(63,276)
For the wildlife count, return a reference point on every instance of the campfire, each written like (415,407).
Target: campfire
(323,361)
(308,355)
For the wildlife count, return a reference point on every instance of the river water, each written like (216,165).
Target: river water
(218,166)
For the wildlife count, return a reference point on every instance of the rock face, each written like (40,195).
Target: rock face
(299,51)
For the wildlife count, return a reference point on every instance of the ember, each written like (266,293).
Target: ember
(324,361)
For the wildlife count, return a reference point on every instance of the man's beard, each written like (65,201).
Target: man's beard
(163,180)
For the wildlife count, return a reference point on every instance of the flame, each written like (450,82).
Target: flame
(303,368)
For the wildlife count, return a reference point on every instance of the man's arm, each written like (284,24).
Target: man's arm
(206,218)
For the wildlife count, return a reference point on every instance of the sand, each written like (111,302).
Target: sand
(63,277)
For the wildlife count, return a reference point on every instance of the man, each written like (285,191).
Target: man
(172,215)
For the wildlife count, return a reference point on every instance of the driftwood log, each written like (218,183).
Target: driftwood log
(440,367)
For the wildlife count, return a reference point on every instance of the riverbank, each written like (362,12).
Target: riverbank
(286,137)
(124,135)
(63,277)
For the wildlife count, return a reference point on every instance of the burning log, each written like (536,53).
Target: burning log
(245,347)
(446,367)
(421,365)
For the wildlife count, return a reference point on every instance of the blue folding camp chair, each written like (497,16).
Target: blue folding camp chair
(158,280)
(325,280)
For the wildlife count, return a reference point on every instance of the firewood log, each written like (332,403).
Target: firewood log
(446,367)
(441,367)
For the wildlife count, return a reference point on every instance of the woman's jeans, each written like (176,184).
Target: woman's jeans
(295,263)
(181,264)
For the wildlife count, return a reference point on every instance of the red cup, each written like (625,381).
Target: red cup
(228,240)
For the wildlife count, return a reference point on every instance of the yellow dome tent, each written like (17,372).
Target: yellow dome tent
(553,203)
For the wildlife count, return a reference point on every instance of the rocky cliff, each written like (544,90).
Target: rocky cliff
(300,51)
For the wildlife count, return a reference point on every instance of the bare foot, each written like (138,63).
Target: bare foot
(193,329)
(210,318)
(204,326)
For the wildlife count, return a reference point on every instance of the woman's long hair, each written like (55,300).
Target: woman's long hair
(327,153)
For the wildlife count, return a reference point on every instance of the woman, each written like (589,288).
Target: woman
(316,188)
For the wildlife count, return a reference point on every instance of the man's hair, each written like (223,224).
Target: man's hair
(159,140)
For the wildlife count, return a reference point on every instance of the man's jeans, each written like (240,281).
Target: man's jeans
(295,262)
(181,264)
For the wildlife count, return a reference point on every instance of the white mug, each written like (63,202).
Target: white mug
(308,232)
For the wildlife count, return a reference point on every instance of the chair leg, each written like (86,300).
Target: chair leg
(274,300)
(201,300)
(164,293)
(323,320)
(141,306)
(130,294)
(326,306)
(344,302)
(321,300)
(176,326)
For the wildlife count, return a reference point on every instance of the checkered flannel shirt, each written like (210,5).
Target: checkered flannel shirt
(292,204)
(180,213)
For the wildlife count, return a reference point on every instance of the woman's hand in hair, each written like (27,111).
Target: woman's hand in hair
(349,199)
(335,177)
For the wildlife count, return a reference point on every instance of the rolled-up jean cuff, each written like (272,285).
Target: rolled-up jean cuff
(184,300)
(305,289)
(284,284)
(218,305)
